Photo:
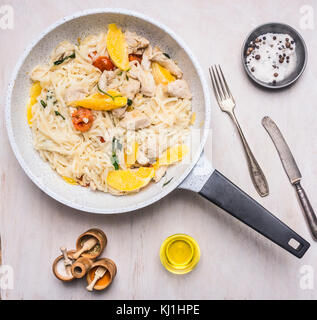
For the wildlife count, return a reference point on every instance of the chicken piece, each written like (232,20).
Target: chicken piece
(40,73)
(134,70)
(160,173)
(63,50)
(146,61)
(148,85)
(159,57)
(75,93)
(142,159)
(136,44)
(119,113)
(105,80)
(130,88)
(135,120)
(152,148)
(179,89)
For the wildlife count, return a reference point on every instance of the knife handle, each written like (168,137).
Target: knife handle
(308,210)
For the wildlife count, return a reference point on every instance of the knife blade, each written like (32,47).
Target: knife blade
(293,172)
(286,156)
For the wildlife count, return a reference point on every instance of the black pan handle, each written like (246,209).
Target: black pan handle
(230,198)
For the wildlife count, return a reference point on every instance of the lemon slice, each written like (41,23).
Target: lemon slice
(172,155)
(131,154)
(130,180)
(117,47)
(70,181)
(100,102)
(161,75)
(35,91)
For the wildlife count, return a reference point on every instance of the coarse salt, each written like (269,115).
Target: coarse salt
(272,57)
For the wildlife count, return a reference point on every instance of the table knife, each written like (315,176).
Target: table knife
(292,171)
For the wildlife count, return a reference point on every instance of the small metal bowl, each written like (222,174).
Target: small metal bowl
(301,52)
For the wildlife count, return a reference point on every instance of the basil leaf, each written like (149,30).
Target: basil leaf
(115,161)
(119,145)
(105,93)
(168,182)
(114,144)
(60,61)
(130,102)
(167,55)
(58,114)
(44,104)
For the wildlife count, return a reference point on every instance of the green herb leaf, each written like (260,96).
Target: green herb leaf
(119,145)
(58,114)
(167,55)
(130,102)
(60,61)
(105,93)
(44,104)
(115,162)
(127,77)
(168,182)
(116,145)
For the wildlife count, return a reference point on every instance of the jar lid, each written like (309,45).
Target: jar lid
(180,254)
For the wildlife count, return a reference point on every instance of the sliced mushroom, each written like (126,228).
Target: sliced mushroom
(179,89)
(136,43)
(159,57)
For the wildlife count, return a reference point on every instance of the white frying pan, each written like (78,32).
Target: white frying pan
(196,174)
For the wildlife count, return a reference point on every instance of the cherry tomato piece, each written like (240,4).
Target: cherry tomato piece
(104,63)
(92,55)
(82,119)
(137,57)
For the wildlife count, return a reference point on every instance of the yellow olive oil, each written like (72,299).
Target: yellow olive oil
(180,254)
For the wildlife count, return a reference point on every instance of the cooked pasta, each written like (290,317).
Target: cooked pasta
(92,112)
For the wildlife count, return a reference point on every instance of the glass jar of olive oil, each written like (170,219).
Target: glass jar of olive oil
(180,254)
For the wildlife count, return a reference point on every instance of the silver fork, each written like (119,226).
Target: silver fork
(227,104)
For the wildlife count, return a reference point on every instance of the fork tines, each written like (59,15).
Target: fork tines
(219,83)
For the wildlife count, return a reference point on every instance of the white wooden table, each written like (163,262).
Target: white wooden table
(236,262)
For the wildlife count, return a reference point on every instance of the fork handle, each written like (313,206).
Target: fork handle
(257,175)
